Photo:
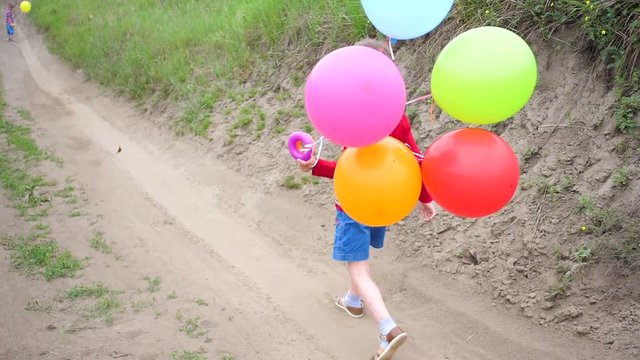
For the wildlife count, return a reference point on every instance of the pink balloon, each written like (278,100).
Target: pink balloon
(355,96)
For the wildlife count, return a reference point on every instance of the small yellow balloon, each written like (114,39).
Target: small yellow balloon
(25,6)
(379,184)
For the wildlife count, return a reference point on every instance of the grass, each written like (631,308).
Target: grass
(153,284)
(32,254)
(628,107)
(103,302)
(182,51)
(622,176)
(188,355)
(98,242)
(138,306)
(45,258)
(191,328)
(290,182)
(617,234)
(35,306)
(583,254)
(104,309)
(530,153)
(96,290)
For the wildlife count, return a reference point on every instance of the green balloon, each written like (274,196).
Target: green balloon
(484,75)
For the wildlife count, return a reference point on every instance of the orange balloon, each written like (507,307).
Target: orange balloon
(379,184)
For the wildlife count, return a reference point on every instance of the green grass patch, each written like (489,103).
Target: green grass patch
(45,258)
(290,182)
(19,137)
(98,301)
(104,308)
(96,290)
(191,328)
(99,243)
(153,284)
(188,355)
(25,115)
(201,302)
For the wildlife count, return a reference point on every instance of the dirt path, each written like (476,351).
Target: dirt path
(262,261)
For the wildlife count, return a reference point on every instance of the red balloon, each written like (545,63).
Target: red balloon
(471,172)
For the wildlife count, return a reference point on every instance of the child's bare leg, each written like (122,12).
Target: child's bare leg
(363,285)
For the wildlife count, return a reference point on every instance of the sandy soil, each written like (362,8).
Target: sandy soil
(256,254)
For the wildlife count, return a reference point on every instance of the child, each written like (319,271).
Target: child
(352,241)
(10,21)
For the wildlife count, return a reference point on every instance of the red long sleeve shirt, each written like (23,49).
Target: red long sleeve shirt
(402,132)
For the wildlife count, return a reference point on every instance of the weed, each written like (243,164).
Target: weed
(530,153)
(566,183)
(202,302)
(153,285)
(19,137)
(622,176)
(191,328)
(35,306)
(188,355)
(99,243)
(104,308)
(140,305)
(25,115)
(585,205)
(459,253)
(40,231)
(557,289)
(563,267)
(621,147)
(604,221)
(66,192)
(557,252)
(96,290)
(583,254)
(308,128)
(625,113)
(172,295)
(291,183)
(306,179)
(46,258)
(546,187)
(76,213)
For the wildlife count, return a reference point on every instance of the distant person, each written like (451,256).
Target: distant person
(352,241)
(10,22)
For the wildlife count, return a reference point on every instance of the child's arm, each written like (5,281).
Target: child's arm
(322,168)
(411,141)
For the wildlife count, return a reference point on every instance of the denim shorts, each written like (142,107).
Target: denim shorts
(352,239)
(10,30)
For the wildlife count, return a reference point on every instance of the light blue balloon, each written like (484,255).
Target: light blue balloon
(406,19)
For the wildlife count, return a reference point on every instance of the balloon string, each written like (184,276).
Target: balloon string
(418,155)
(428,96)
(321,142)
(432,117)
(393,57)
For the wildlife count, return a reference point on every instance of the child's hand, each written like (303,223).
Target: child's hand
(306,166)
(427,211)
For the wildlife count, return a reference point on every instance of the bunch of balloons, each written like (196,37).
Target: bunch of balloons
(355,96)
